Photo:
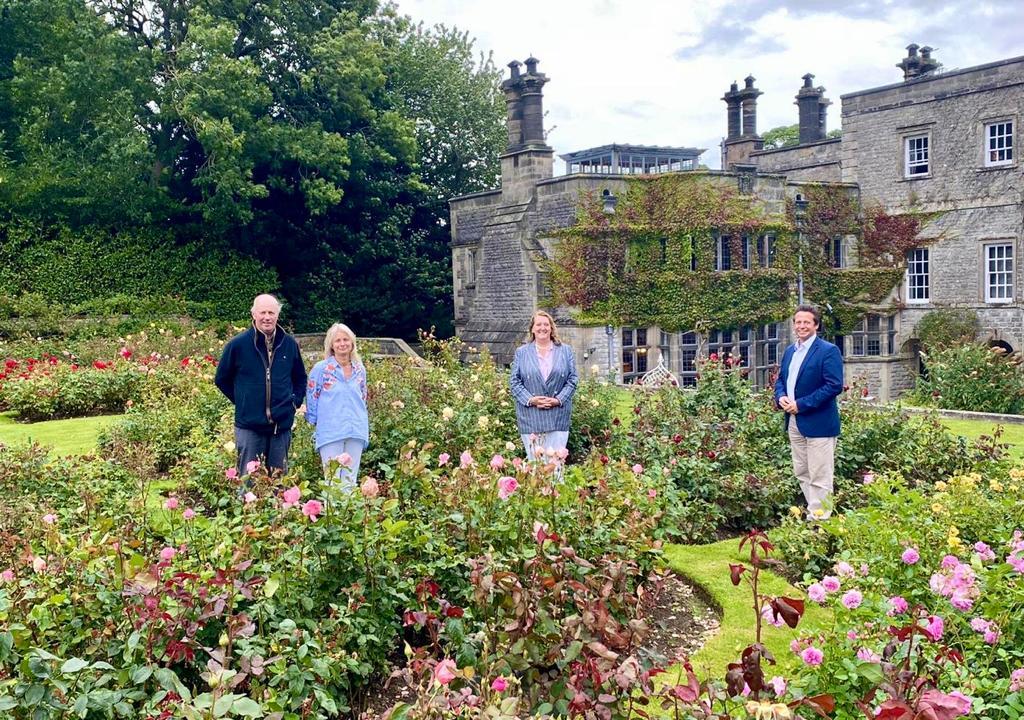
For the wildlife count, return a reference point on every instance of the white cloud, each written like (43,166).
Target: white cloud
(653,72)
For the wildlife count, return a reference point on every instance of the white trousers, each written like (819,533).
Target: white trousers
(348,477)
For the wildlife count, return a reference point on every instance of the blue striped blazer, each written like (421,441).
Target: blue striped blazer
(526,382)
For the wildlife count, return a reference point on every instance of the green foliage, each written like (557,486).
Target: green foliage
(652,263)
(942,524)
(782,136)
(946,327)
(973,377)
(66,266)
(316,138)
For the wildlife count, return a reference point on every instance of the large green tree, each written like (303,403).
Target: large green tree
(322,137)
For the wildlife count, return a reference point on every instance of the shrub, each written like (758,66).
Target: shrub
(954,559)
(972,377)
(946,328)
(59,263)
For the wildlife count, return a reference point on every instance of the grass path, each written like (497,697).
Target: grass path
(708,567)
(73,436)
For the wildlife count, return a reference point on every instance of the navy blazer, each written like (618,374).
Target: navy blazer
(526,381)
(818,384)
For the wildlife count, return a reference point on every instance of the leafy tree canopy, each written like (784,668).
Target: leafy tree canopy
(321,137)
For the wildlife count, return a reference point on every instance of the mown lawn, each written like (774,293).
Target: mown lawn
(708,567)
(1013,435)
(73,436)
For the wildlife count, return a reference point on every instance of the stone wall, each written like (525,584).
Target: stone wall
(810,162)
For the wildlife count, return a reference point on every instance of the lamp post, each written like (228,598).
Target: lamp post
(799,213)
(608,207)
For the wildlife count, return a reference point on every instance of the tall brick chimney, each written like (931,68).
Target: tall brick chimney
(527,159)
(732,101)
(524,97)
(513,104)
(914,65)
(742,139)
(812,105)
(748,103)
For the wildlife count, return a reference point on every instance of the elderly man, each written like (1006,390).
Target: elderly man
(810,380)
(262,374)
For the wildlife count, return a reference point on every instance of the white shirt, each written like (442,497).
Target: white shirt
(799,353)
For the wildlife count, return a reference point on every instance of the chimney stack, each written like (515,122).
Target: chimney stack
(812,106)
(533,104)
(748,104)
(513,103)
(915,66)
(732,100)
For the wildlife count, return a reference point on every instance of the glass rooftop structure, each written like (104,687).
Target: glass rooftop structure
(631,160)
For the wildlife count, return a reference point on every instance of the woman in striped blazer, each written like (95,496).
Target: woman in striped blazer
(543,381)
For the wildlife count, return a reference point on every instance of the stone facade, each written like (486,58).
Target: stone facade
(501,239)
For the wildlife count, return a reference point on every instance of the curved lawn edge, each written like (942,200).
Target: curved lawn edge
(707,567)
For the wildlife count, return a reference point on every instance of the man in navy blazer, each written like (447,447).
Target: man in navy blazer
(810,380)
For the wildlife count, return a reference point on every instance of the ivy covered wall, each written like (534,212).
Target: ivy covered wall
(653,262)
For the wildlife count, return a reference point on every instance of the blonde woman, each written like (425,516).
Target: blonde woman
(543,381)
(336,404)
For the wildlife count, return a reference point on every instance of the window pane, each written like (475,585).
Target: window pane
(916,155)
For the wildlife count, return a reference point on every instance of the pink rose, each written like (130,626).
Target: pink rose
(231,473)
(830,583)
(910,556)
(817,593)
(369,488)
(812,656)
(312,509)
(868,655)
(291,497)
(844,569)
(638,469)
(49,518)
(443,459)
(499,684)
(506,486)
(345,460)
(933,630)
(38,564)
(778,684)
(189,513)
(869,477)
(465,459)
(497,462)
(7,576)
(652,493)
(899,605)
(852,599)
(252,466)
(1017,680)
(250,497)
(168,553)
(445,672)
(171,503)
(984,551)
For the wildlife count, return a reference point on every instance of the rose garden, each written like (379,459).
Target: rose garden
(145,578)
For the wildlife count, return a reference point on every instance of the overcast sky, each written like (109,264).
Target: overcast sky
(652,72)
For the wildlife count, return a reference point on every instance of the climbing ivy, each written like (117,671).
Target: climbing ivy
(652,262)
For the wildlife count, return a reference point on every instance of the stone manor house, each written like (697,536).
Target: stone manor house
(936,141)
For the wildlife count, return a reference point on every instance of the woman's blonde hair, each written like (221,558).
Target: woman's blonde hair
(554,330)
(332,333)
